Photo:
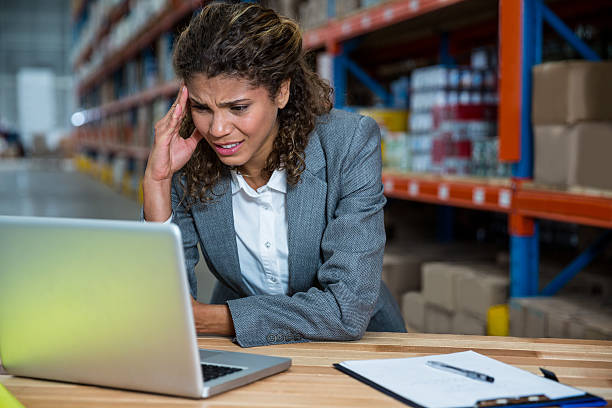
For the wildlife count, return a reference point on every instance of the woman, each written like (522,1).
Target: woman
(284,194)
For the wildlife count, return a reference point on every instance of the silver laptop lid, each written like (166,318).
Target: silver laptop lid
(97,302)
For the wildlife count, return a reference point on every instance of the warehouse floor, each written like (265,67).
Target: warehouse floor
(52,188)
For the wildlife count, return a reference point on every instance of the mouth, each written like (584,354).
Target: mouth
(227,149)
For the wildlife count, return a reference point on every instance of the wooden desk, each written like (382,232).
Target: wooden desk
(312,382)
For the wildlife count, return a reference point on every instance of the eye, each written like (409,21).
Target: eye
(200,108)
(240,108)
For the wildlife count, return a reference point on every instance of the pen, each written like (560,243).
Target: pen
(468,373)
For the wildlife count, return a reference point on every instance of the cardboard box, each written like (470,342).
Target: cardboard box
(517,317)
(464,323)
(577,155)
(439,282)
(401,273)
(476,292)
(566,92)
(438,320)
(413,310)
(536,319)
(551,154)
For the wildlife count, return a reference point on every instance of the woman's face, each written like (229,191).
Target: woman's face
(238,121)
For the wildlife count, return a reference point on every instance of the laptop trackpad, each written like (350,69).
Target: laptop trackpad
(206,354)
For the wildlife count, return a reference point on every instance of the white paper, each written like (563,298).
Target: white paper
(414,380)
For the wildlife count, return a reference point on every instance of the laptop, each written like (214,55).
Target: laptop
(107,303)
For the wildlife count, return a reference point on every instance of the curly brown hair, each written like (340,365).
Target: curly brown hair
(248,41)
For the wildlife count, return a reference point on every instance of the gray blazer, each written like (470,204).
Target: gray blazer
(336,239)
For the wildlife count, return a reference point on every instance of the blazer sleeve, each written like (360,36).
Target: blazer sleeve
(352,246)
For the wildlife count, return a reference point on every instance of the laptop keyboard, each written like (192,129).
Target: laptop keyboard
(210,371)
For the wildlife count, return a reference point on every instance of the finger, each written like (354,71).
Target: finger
(194,139)
(179,109)
(170,112)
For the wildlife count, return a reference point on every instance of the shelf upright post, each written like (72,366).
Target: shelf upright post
(339,73)
(518,54)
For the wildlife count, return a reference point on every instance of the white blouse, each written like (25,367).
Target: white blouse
(260,222)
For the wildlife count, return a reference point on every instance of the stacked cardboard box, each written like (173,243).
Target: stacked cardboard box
(575,316)
(572,118)
(403,262)
(455,297)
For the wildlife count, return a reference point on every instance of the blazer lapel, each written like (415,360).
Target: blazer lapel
(215,223)
(306,208)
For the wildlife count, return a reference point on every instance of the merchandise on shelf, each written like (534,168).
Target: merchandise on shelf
(313,13)
(346,7)
(393,127)
(142,12)
(164,57)
(453,121)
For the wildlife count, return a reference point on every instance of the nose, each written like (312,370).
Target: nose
(220,125)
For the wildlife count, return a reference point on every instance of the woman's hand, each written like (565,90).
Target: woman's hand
(212,319)
(170,151)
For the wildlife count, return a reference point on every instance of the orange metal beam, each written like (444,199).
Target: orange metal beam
(565,207)
(510,57)
(371,19)
(440,190)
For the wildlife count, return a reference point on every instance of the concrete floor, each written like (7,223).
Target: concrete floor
(51,188)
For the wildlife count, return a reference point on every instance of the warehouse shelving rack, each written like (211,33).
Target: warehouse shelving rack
(520,36)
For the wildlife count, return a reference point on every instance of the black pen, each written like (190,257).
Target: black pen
(468,373)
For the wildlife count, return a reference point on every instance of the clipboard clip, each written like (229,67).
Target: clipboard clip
(549,374)
(500,402)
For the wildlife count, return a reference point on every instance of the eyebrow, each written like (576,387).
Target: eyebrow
(222,105)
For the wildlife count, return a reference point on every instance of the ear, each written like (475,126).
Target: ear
(282,97)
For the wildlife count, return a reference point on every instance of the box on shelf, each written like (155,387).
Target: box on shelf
(346,7)
(413,310)
(566,92)
(576,155)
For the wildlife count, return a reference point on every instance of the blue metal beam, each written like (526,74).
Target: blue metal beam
(524,168)
(340,78)
(368,81)
(524,260)
(567,34)
(577,264)
(445,57)
(538,32)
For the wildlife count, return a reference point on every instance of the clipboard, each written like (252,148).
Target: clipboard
(377,374)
